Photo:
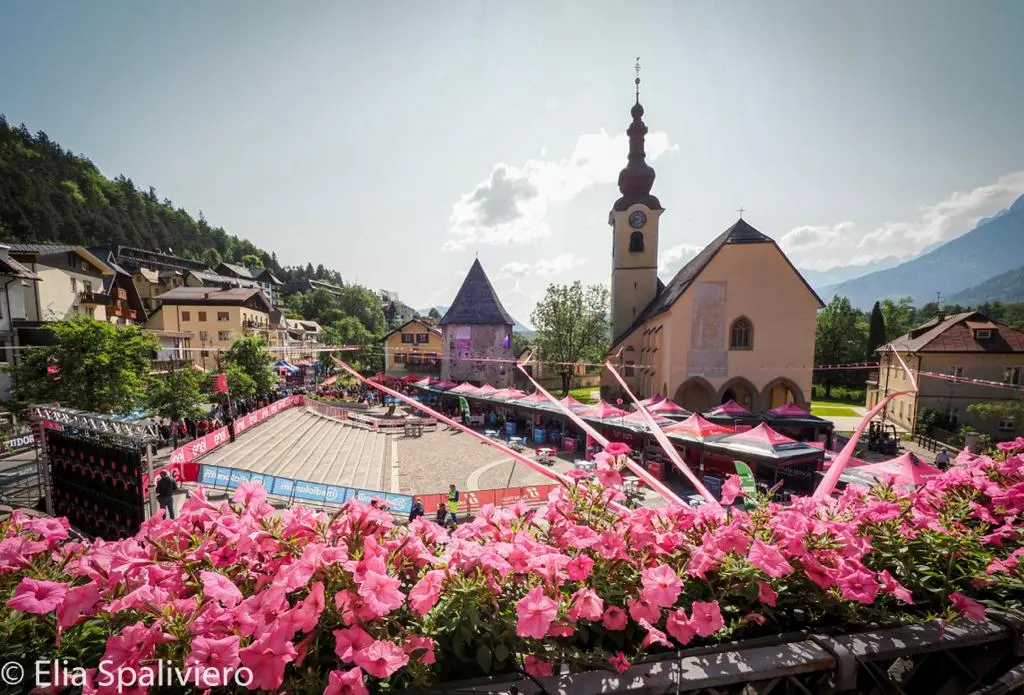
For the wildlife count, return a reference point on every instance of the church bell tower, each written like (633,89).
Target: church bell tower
(634,222)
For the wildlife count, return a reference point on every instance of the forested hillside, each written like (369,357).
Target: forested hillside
(51,195)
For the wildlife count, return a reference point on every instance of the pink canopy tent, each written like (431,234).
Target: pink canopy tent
(728,409)
(445,385)
(648,402)
(423,384)
(573,404)
(603,411)
(762,440)
(904,471)
(506,395)
(465,389)
(485,390)
(637,420)
(788,410)
(534,398)
(667,407)
(699,429)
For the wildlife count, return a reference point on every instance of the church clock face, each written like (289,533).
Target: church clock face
(637,219)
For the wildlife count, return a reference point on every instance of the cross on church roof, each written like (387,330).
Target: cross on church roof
(741,211)
(636,67)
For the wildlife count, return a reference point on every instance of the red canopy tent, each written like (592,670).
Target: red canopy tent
(728,409)
(904,471)
(762,440)
(699,429)
(789,410)
(603,411)
(445,385)
(465,389)
(667,407)
(411,378)
(656,398)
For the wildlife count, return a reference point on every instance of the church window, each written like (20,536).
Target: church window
(741,335)
(636,242)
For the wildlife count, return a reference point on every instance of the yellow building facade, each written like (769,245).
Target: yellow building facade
(413,348)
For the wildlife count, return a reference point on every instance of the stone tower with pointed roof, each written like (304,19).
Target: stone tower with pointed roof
(476,333)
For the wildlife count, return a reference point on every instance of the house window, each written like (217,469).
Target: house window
(74,286)
(87,287)
(741,335)
(636,242)
(422,338)
(202,315)
(222,316)
(223,335)
(204,336)
(957,372)
(185,316)
(71,260)
(205,353)
(407,338)
(1007,424)
(982,334)
(1011,375)
(399,358)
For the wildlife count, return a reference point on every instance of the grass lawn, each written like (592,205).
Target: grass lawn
(832,409)
(583,395)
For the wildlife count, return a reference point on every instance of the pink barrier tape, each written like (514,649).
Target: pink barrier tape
(632,465)
(828,483)
(533,465)
(663,441)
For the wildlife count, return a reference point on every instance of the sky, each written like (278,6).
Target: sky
(395,141)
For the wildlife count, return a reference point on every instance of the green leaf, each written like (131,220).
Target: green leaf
(500,653)
(484,658)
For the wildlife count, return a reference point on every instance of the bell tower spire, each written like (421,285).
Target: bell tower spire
(634,222)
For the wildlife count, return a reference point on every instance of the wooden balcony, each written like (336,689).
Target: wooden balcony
(91,298)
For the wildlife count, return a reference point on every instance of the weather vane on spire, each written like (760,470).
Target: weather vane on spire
(636,68)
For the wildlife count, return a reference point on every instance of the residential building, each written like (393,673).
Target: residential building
(297,338)
(71,281)
(297,286)
(124,303)
(175,351)
(413,348)
(16,282)
(735,323)
(265,279)
(951,357)
(215,318)
(476,334)
(208,278)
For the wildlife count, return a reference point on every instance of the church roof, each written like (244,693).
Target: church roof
(739,233)
(477,303)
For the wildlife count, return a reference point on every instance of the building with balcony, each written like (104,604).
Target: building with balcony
(175,351)
(214,318)
(70,282)
(415,347)
(952,358)
(264,279)
(16,281)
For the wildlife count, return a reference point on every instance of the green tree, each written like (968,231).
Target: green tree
(839,339)
(240,383)
(251,260)
(519,343)
(434,314)
(97,367)
(211,257)
(876,331)
(176,396)
(900,316)
(996,411)
(250,355)
(572,326)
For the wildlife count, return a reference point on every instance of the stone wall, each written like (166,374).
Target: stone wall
(464,346)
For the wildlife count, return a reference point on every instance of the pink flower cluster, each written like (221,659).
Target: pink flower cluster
(355,600)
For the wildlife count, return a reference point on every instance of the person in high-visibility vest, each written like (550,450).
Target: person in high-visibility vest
(453,503)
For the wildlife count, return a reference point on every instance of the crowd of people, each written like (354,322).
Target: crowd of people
(222,414)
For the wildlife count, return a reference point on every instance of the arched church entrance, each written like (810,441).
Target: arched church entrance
(781,391)
(695,394)
(741,391)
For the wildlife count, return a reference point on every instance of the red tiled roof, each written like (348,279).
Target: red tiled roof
(956,334)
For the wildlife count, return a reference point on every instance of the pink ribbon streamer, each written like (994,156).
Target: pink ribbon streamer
(632,465)
(828,483)
(664,442)
(462,428)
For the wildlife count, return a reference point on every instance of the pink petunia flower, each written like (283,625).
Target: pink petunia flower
(220,588)
(36,596)
(969,608)
(381,658)
(766,594)
(661,586)
(891,586)
(424,595)
(639,609)
(579,568)
(653,636)
(768,559)
(731,489)
(619,662)
(307,613)
(706,618)
(78,601)
(267,658)
(586,604)
(348,682)
(680,627)
(858,585)
(617,449)
(614,618)
(381,593)
(422,647)
(537,667)
(349,640)
(213,657)
(536,613)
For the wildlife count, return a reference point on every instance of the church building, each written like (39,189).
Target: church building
(735,323)
(476,334)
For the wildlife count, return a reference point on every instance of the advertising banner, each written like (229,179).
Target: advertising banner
(26,440)
(501,497)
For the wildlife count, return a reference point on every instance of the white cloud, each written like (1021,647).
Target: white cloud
(553,266)
(673,258)
(821,247)
(511,205)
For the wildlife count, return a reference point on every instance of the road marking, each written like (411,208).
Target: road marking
(473,482)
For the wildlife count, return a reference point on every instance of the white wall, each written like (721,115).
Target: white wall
(58,297)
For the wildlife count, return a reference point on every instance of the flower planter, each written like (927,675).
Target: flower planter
(958,657)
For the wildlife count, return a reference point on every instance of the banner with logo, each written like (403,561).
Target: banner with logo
(748,483)
(501,497)
(300,490)
(220,383)
(26,440)
(464,406)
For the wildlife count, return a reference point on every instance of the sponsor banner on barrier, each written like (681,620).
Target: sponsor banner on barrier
(300,490)
(501,497)
(26,440)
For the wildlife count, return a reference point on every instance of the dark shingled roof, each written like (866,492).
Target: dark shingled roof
(476,303)
(955,333)
(739,233)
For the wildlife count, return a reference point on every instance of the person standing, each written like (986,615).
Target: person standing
(165,488)
(417,510)
(453,503)
(942,460)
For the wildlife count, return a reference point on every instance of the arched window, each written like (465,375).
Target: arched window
(741,335)
(636,242)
